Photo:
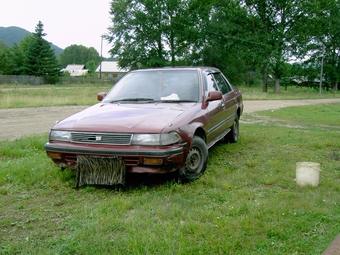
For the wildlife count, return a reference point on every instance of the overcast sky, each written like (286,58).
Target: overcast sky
(66,22)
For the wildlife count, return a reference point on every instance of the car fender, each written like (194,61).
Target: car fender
(190,130)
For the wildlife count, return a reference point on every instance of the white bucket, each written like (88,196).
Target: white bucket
(307,173)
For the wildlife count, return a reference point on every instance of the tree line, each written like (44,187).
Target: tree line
(284,40)
(34,56)
(268,42)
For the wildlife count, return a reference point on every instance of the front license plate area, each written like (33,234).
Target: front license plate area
(100,171)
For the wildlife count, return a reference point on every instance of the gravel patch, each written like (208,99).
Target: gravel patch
(20,122)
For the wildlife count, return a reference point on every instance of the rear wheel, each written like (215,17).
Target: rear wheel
(233,135)
(196,161)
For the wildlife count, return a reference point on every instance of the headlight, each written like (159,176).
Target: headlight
(57,135)
(156,139)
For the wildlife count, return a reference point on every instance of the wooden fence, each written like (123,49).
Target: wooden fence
(32,80)
(21,79)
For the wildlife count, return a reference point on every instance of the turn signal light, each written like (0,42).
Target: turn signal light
(153,161)
(54,155)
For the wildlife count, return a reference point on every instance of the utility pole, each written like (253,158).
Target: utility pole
(101,57)
(321,72)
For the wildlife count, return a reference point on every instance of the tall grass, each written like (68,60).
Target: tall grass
(19,96)
(246,203)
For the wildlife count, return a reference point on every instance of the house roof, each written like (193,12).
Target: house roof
(74,67)
(75,70)
(111,67)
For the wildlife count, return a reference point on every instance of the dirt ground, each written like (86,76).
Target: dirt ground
(16,123)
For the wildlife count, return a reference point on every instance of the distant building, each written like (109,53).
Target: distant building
(110,69)
(75,70)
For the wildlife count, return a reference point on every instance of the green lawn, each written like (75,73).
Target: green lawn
(17,96)
(246,203)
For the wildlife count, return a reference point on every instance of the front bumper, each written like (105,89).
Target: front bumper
(137,159)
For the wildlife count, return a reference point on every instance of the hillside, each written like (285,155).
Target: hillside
(11,35)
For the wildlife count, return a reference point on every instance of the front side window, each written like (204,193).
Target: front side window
(211,83)
(222,83)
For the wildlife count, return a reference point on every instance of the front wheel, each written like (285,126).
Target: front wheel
(233,135)
(196,161)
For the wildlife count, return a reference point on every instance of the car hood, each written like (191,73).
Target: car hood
(150,118)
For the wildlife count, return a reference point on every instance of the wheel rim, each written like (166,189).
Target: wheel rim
(193,162)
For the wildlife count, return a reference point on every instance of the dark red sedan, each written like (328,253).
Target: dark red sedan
(152,121)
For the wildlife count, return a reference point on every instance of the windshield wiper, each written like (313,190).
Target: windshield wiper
(177,101)
(134,99)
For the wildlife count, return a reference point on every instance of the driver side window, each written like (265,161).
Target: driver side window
(211,83)
(222,83)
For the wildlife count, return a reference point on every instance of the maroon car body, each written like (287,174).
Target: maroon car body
(164,122)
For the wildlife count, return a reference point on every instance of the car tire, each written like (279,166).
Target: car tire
(233,135)
(196,161)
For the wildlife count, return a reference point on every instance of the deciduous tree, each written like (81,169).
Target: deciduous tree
(6,59)
(148,32)
(324,42)
(78,54)
(277,25)
(239,37)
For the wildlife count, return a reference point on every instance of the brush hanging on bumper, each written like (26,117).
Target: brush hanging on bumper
(100,171)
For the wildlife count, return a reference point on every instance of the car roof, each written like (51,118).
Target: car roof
(201,68)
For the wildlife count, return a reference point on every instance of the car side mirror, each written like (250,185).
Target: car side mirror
(214,95)
(101,95)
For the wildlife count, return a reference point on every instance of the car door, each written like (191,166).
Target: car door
(229,99)
(216,112)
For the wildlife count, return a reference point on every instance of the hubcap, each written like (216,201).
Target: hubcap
(193,162)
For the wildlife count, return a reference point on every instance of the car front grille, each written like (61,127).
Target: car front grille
(101,138)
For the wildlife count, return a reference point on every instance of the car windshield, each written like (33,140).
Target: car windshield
(156,85)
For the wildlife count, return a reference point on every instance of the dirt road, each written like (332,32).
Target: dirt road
(15,123)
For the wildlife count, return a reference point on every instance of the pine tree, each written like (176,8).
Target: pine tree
(40,58)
